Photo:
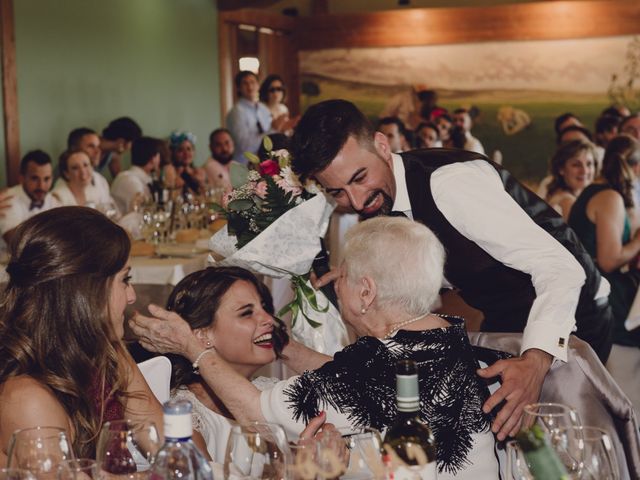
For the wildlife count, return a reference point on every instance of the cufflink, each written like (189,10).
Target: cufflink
(561,342)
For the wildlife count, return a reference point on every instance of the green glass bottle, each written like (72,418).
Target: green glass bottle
(409,444)
(542,461)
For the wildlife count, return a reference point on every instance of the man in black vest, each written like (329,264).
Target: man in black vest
(509,253)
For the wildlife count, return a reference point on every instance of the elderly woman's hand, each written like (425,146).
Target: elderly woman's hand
(165,332)
(5,201)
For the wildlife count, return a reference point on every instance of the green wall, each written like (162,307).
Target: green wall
(86,62)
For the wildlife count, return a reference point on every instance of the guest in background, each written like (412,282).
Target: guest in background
(272,93)
(601,219)
(606,128)
(462,119)
(181,173)
(31,196)
(630,125)
(429,109)
(565,120)
(88,141)
(458,138)
(117,138)
(577,132)
(444,123)
(218,166)
(395,131)
(249,120)
(572,168)
(62,361)
(74,185)
(131,187)
(427,136)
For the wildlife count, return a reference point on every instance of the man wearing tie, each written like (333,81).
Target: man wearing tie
(31,196)
(510,255)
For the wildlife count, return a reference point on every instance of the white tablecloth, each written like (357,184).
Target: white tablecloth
(164,271)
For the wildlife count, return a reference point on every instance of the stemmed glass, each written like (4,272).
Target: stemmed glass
(78,469)
(16,474)
(550,417)
(126,449)
(364,453)
(517,468)
(39,450)
(587,453)
(257,451)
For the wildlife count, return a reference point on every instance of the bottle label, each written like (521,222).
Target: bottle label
(177,426)
(415,472)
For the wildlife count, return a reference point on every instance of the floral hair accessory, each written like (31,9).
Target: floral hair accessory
(176,139)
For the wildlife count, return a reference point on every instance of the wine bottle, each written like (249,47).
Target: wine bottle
(409,444)
(542,461)
(179,458)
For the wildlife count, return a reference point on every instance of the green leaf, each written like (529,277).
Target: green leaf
(240,204)
(267,143)
(238,174)
(252,157)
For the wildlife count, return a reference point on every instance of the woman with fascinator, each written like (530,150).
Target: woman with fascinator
(181,173)
(387,300)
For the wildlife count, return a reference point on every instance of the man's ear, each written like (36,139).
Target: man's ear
(381,144)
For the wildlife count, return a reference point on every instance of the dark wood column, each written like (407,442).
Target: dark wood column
(9,91)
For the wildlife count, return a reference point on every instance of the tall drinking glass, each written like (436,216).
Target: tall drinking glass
(587,453)
(39,450)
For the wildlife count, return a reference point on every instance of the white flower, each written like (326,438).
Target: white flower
(253,176)
(291,178)
(312,187)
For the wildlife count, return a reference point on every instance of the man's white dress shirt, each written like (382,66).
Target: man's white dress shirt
(20,208)
(472,198)
(129,184)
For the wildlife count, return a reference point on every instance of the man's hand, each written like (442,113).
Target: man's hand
(165,332)
(522,380)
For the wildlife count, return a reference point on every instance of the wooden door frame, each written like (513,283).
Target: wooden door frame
(9,92)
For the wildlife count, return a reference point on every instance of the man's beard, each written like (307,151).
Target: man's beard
(385,208)
(224,159)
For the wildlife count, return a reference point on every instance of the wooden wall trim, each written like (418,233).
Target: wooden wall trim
(9,92)
(260,18)
(432,26)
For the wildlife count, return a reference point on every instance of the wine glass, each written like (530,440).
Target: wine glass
(517,468)
(77,469)
(365,453)
(126,449)
(257,451)
(587,453)
(39,450)
(16,474)
(549,416)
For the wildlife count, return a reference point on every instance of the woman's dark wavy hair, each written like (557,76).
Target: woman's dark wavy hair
(563,154)
(197,298)
(54,315)
(266,85)
(623,152)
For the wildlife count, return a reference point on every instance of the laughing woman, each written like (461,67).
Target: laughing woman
(230,310)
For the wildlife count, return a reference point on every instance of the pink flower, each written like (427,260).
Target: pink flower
(261,189)
(269,167)
(226,198)
(282,183)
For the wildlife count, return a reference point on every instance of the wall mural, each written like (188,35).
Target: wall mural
(519,87)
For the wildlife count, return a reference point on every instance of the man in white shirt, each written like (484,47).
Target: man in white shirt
(88,141)
(508,252)
(462,119)
(133,184)
(31,195)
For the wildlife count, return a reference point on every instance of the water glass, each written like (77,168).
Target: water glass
(549,416)
(517,468)
(587,453)
(78,469)
(39,450)
(257,451)
(364,454)
(126,449)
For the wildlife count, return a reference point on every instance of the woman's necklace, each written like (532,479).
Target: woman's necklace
(398,325)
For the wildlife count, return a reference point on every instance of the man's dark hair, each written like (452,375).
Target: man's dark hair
(144,149)
(216,132)
(574,128)
(123,127)
(607,123)
(73,140)
(393,121)
(445,116)
(626,119)
(560,119)
(322,132)
(266,85)
(38,157)
(612,111)
(460,110)
(279,141)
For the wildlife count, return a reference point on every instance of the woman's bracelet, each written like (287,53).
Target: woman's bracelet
(195,364)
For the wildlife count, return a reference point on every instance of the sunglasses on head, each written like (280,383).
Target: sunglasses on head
(276,89)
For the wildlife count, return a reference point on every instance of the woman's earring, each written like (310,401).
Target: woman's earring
(363,310)
(208,343)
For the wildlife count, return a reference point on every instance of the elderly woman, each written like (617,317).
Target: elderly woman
(387,300)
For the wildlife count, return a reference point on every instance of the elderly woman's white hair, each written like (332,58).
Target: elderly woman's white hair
(404,258)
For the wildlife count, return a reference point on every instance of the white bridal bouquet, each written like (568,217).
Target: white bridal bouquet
(274,227)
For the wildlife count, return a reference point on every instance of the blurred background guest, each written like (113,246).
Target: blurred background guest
(606,128)
(572,169)
(218,165)
(396,133)
(116,140)
(272,93)
(181,173)
(74,187)
(444,123)
(427,136)
(88,141)
(462,119)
